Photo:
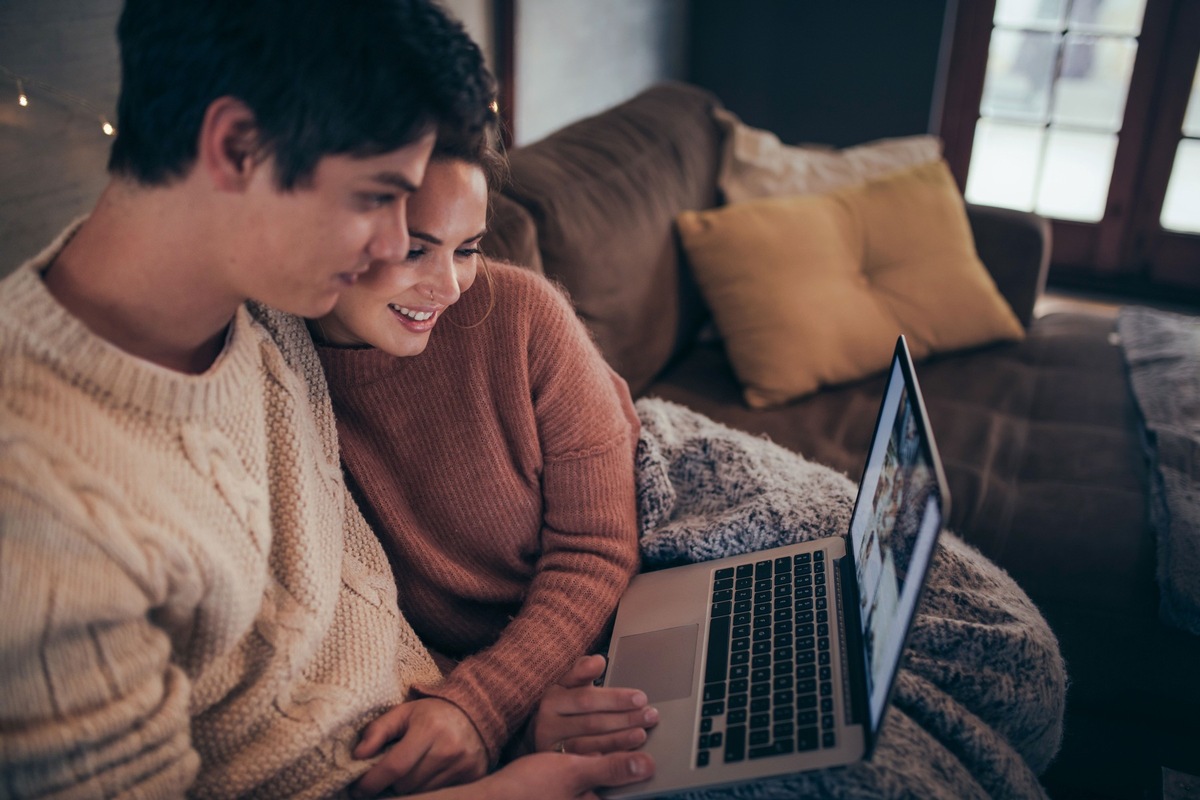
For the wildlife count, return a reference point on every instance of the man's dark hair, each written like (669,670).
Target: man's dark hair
(322,77)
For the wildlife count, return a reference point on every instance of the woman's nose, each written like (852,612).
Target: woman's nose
(443,281)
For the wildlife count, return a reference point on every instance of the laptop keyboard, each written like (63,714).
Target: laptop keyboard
(768,678)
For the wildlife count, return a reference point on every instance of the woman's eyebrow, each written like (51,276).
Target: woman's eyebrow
(424,237)
(429,237)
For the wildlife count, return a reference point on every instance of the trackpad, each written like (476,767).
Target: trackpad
(659,663)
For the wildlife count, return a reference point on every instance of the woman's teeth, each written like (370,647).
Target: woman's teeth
(418,316)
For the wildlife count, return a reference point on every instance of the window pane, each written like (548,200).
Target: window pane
(1020,70)
(1042,14)
(1075,175)
(1181,208)
(1093,81)
(1191,121)
(1107,16)
(1004,164)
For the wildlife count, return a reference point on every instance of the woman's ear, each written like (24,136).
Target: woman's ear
(228,149)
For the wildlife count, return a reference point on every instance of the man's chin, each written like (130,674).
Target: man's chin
(309,308)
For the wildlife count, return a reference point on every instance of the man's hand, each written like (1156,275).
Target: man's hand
(551,776)
(437,746)
(577,717)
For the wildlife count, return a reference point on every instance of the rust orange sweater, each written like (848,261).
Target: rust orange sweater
(497,467)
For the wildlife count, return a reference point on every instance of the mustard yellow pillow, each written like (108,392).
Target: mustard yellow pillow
(812,290)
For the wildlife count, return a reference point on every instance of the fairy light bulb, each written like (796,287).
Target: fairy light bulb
(22,98)
(107,127)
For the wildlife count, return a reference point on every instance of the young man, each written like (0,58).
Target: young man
(192,602)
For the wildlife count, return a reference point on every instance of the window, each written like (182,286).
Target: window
(1085,111)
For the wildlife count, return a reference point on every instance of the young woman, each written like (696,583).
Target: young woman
(491,448)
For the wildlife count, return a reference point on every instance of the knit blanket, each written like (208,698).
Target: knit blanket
(1163,353)
(977,710)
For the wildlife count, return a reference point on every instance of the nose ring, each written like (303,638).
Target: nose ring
(431,294)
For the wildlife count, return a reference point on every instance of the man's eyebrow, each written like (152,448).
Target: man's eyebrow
(400,181)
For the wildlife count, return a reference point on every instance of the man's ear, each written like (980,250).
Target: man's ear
(228,149)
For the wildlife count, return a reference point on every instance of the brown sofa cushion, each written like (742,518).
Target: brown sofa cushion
(511,234)
(1046,477)
(603,193)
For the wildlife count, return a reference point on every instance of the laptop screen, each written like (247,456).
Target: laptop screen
(896,522)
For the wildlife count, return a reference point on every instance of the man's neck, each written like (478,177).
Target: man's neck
(137,277)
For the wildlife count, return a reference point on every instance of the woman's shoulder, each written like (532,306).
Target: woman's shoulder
(513,286)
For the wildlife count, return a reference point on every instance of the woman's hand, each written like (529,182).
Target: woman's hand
(577,717)
(435,745)
(551,776)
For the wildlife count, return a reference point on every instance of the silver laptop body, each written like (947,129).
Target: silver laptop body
(782,661)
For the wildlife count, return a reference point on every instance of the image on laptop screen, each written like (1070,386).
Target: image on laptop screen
(892,537)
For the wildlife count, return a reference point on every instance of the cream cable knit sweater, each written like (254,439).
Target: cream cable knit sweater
(191,602)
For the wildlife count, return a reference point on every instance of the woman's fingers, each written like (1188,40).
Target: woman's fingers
(585,670)
(586,700)
(627,739)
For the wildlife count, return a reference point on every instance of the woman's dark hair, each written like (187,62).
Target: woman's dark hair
(483,148)
(322,77)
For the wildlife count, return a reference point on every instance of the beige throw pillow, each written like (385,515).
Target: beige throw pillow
(754,163)
(812,290)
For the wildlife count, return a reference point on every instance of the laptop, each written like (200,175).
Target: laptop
(782,661)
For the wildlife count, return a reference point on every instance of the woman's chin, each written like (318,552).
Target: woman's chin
(407,347)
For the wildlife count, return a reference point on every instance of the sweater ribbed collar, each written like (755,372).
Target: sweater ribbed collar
(356,366)
(32,316)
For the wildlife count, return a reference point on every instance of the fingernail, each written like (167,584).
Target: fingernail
(639,698)
(636,766)
(650,715)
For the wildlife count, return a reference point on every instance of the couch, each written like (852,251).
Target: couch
(1040,437)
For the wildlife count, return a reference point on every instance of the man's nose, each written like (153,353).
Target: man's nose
(390,242)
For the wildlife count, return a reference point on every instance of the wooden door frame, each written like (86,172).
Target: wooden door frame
(1127,243)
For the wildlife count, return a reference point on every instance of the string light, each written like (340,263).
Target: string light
(75,100)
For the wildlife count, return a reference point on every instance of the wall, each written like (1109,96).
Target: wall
(836,73)
(577,57)
(53,153)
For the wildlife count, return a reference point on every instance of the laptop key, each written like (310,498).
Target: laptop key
(806,739)
(718,650)
(702,758)
(779,748)
(828,739)
(735,743)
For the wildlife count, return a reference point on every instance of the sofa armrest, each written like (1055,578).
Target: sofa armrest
(1015,248)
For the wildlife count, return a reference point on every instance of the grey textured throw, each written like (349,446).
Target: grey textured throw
(1163,353)
(978,707)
